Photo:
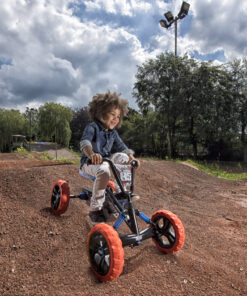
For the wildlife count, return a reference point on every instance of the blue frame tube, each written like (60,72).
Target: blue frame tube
(119,221)
(144,217)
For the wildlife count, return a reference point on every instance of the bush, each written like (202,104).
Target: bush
(21,150)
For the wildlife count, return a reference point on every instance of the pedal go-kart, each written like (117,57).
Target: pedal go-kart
(105,244)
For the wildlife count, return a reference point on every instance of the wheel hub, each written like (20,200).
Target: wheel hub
(56,197)
(99,250)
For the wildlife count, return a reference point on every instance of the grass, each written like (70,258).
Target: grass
(76,153)
(220,170)
(216,168)
(67,160)
(46,156)
(21,150)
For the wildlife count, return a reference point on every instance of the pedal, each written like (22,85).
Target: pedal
(121,197)
(87,191)
(84,196)
(135,197)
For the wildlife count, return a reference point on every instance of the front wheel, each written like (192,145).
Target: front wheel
(105,251)
(169,232)
(60,196)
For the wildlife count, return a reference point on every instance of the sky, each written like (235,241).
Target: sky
(67,51)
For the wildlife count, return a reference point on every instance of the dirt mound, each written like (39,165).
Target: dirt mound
(29,160)
(55,151)
(62,153)
(41,254)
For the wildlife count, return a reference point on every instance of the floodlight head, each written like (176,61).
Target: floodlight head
(169,16)
(184,10)
(164,24)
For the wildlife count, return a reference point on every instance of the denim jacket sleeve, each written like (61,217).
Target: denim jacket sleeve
(87,136)
(119,146)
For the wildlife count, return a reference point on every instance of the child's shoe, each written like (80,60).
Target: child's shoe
(110,209)
(135,197)
(120,196)
(97,217)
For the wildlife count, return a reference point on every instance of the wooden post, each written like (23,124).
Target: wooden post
(245,153)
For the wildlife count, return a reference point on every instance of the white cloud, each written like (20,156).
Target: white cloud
(220,25)
(66,51)
(56,57)
(122,7)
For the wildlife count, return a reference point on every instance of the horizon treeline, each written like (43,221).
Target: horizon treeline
(186,109)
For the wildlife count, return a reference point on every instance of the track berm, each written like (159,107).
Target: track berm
(43,255)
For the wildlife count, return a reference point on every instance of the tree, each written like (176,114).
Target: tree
(32,128)
(218,113)
(77,125)
(11,122)
(193,101)
(162,83)
(131,131)
(54,123)
(209,108)
(238,69)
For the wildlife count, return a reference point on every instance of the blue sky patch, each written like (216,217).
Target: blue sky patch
(4,61)
(218,55)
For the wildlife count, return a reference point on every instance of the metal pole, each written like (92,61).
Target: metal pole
(30,135)
(30,125)
(176,34)
(56,141)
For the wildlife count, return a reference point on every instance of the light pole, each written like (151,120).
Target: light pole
(170,20)
(31,111)
(30,121)
(56,135)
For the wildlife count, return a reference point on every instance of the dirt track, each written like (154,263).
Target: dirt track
(41,254)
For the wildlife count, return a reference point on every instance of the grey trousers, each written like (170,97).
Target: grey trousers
(102,173)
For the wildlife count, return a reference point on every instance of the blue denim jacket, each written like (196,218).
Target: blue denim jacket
(102,141)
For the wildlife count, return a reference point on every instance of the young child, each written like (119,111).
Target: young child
(100,139)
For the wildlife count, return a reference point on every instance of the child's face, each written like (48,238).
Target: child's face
(112,118)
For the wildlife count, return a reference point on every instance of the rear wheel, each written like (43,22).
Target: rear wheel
(60,196)
(169,232)
(105,251)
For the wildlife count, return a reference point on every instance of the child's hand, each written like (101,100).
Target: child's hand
(131,157)
(137,162)
(96,158)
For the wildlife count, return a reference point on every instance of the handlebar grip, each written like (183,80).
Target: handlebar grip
(88,161)
(134,163)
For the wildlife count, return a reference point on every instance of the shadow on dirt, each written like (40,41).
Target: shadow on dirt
(46,212)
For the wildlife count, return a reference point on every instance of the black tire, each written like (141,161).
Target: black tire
(60,196)
(169,235)
(105,251)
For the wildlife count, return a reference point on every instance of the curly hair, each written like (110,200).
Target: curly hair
(101,104)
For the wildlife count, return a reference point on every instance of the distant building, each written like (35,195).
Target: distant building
(245,153)
(18,141)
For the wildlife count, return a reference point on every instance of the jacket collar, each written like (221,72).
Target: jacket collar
(101,126)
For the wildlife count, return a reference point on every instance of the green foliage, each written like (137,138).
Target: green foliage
(54,123)
(195,105)
(21,150)
(215,170)
(238,69)
(186,106)
(11,122)
(77,125)
(68,160)
(46,156)
(32,124)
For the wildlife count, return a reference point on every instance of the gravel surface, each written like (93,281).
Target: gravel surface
(43,255)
